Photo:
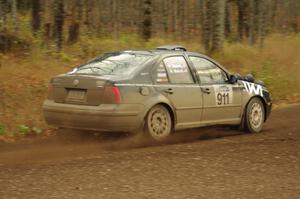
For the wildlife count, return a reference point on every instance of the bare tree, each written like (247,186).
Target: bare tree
(3,14)
(251,22)
(35,17)
(147,22)
(14,15)
(58,23)
(228,28)
(218,25)
(211,21)
(115,18)
(241,4)
(74,27)
(207,25)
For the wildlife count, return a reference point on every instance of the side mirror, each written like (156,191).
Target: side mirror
(233,79)
(249,78)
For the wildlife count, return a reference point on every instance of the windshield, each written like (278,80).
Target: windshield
(113,64)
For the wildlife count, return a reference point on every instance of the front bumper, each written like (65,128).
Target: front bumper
(268,109)
(105,117)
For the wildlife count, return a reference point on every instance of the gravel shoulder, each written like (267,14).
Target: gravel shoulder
(212,162)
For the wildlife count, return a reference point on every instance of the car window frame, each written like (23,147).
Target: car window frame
(161,60)
(214,63)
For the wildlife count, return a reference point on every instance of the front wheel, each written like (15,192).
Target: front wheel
(254,116)
(158,123)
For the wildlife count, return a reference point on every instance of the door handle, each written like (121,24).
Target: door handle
(169,91)
(206,90)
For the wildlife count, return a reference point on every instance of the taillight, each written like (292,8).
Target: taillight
(117,94)
(112,95)
(50,91)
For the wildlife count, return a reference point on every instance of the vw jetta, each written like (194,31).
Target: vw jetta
(155,92)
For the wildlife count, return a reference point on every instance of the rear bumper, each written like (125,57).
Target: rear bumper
(105,117)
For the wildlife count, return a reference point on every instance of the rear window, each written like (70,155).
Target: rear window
(113,64)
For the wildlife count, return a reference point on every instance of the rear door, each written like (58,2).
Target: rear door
(174,80)
(221,100)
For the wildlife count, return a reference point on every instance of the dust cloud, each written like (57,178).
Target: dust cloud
(69,144)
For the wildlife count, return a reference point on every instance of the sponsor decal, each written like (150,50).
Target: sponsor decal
(253,88)
(176,68)
(223,95)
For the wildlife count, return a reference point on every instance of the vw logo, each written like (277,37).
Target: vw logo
(75,82)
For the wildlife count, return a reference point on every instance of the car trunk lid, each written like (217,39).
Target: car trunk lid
(79,89)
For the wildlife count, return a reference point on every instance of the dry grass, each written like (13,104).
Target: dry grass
(24,78)
(23,88)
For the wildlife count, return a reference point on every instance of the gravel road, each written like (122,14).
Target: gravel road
(213,162)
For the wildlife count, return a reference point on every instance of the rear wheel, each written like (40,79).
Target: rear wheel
(254,116)
(158,123)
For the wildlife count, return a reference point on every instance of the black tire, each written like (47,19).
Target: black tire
(158,123)
(254,116)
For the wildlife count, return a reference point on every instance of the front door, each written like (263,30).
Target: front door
(221,100)
(175,81)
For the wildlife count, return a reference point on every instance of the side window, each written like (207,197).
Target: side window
(178,70)
(208,72)
(161,74)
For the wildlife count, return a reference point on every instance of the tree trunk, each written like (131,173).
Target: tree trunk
(3,15)
(14,15)
(258,22)
(252,33)
(207,25)
(115,19)
(218,25)
(263,23)
(147,22)
(241,18)
(73,32)
(4,42)
(88,17)
(74,27)
(36,19)
(58,23)
(227,20)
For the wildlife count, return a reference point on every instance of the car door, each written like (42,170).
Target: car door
(174,80)
(221,100)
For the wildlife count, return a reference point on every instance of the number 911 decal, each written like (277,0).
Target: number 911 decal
(223,95)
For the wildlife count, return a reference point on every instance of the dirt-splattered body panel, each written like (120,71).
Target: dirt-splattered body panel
(110,94)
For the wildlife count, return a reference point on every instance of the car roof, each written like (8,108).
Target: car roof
(168,49)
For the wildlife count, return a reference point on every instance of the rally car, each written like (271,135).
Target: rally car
(155,92)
